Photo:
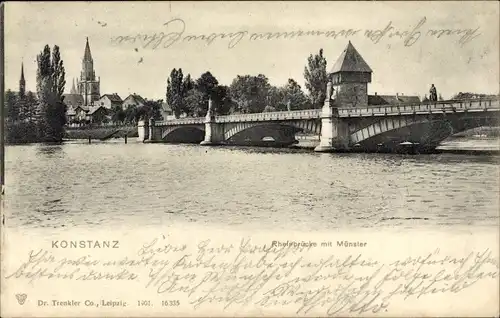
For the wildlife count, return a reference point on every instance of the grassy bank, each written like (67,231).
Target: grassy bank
(100,132)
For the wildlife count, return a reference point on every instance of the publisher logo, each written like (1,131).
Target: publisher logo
(21,298)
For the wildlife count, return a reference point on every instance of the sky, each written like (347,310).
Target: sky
(135,45)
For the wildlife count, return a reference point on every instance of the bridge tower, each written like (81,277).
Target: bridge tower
(347,87)
(350,76)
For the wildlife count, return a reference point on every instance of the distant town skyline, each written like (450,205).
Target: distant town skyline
(402,62)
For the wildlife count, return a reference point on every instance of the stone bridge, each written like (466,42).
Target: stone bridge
(382,128)
(348,120)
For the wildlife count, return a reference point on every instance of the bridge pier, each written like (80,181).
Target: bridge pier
(214,134)
(334,135)
(151,129)
(142,130)
(334,131)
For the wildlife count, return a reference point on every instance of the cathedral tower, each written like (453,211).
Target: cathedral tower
(350,77)
(22,82)
(88,86)
(73,88)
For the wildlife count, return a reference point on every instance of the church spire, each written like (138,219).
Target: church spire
(87,55)
(88,86)
(73,88)
(87,64)
(22,82)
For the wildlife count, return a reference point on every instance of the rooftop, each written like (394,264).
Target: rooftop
(73,99)
(392,99)
(113,97)
(138,98)
(350,61)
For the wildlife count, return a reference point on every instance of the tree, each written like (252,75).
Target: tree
(222,100)
(99,117)
(250,93)
(197,94)
(316,78)
(59,73)
(176,92)
(117,114)
(21,125)
(51,113)
(188,83)
(151,109)
(276,98)
(43,87)
(11,105)
(294,97)
(269,109)
(194,103)
(207,84)
(30,106)
(130,114)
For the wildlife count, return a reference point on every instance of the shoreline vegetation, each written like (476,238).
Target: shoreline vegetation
(101,132)
(25,133)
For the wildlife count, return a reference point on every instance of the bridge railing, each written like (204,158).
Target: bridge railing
(426,107)
(181,121)
(269,116)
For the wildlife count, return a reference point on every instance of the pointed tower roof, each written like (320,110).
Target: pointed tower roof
(350,61)
(73,88)
(22,71)
(87,55)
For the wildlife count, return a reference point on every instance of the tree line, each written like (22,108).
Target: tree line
(40,117)
(247,93)
(133,113)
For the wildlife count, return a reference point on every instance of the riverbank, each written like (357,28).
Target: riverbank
(101,132)
(470,145)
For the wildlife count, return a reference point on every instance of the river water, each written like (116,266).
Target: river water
(112,184)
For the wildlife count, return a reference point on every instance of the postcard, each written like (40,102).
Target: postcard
(250,159)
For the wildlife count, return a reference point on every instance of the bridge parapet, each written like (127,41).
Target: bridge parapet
(450,106)
(181,121)
(270,116)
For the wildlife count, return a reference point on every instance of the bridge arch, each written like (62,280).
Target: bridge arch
(183,134)
(289,127)
(428,131)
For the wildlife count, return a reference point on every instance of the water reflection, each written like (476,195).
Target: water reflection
(50,150)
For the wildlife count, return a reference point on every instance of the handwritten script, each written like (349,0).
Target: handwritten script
(174,33)
(246,274)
